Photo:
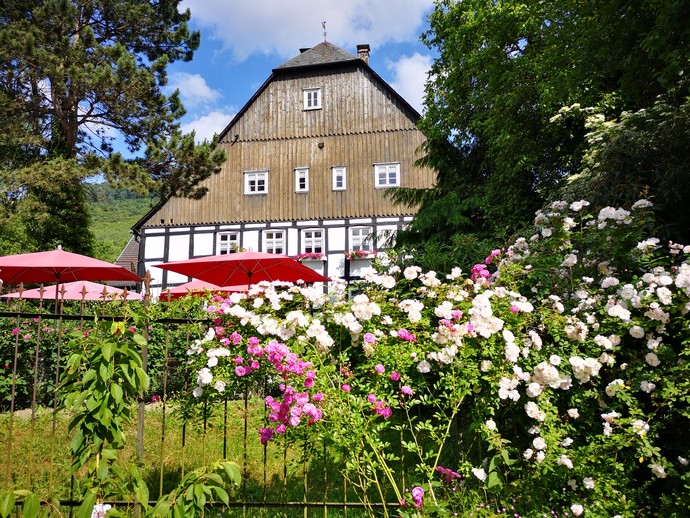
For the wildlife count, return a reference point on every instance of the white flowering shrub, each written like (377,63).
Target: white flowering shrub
(552,378)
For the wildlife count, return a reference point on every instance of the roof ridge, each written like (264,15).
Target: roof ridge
(321,54)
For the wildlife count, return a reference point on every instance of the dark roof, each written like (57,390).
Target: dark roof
(321,54)
(128,258)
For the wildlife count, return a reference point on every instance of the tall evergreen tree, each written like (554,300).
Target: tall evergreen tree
(74,76)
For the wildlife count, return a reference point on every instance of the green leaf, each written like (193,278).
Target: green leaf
(143,380)
(222,495)
(107,350)
(507,459)
(6,503)
(139,339)
(141,491)
(494,463)
(116,392)
(179,509)
(89,375)
(103,471)
(105,371)
(86,506)
(215,477)
(109,453)
(199,495)
(77,441)
(31,506)
(162,507)
(233,472)
(494,481)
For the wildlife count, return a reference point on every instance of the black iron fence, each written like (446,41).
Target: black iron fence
(169,438)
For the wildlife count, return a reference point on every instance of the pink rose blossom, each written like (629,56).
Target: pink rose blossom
(417,496)
(266,434)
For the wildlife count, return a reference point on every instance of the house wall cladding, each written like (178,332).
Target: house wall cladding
(352,102)
(226,201)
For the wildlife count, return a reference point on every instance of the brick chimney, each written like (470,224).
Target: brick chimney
(363,52)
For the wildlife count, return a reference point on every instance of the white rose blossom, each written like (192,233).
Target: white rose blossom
(564,460)
(652,359)
(647,386)
(658,470)
(539,443)
(636,332)
(479,473)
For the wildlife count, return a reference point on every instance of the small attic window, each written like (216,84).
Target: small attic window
(312,99)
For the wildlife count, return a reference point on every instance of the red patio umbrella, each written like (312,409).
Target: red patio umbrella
(77,290)
(244,268)
(198,287)
(59,266)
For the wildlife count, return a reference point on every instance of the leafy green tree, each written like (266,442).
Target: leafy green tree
(75,76)
(503,72)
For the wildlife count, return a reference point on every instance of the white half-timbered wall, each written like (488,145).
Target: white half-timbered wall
(165,244)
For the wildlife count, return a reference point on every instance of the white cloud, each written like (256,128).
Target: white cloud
(208,125)
(280,27)
(410,74)
(194,91)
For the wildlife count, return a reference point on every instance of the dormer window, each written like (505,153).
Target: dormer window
(312,99)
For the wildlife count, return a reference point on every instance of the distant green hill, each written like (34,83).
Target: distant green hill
(113,212)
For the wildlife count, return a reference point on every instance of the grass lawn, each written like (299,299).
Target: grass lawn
(39,459)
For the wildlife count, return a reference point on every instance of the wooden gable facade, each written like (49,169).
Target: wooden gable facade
(309,158)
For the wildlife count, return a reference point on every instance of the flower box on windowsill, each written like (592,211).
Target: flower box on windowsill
(310,257)
(355,255)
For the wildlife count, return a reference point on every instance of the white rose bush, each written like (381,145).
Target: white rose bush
(552,378)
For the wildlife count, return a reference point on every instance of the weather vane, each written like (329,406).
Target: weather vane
(323,24)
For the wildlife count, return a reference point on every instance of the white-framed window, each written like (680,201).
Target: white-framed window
(312,241)
(387,175)
(255,182)
(302,179)
(274,241)
(339,178)
(228,242)
(360,239)
(312,99)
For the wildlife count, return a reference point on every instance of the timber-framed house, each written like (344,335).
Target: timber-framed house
(309,157)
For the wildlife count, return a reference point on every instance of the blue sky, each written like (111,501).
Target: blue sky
(242,41)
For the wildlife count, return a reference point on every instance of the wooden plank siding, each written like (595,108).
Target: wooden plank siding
(361,123)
